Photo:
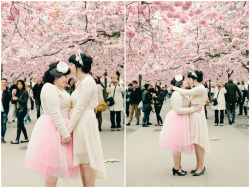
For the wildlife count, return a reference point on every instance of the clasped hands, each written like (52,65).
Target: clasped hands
(66,140)
(198,108)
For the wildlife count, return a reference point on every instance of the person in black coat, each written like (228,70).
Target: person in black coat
(128,98)
(20,100)
(230,96)
(158,101)
(36,94)
(243,88)
(5,100)
(135,96)
(146,100)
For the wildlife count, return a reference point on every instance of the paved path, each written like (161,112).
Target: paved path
(150,165)
(14,174)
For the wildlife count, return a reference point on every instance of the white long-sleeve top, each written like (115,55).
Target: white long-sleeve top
(100,92)
(221,98)
(118,106)
(181,104)
(54,101)
(199,94)
(87,99)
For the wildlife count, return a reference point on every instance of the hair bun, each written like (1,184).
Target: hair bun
(199,75)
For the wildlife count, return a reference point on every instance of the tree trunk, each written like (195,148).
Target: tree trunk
(105,85)
(209,93)
(140,78)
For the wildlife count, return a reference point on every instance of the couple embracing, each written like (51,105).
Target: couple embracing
(185,126)
(65,139)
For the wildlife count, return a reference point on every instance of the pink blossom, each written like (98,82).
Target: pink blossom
(130,32)
(170,15)
(177,15)
(5,4)
(198,11)
(202,22)
(186,5)
(235,41)
(178,3)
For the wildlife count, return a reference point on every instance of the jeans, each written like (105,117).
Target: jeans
(158,111)
(20,124)
(118,119)
(217,116)
(38,107)
(230,110)
(145,118)
(27,117)
(3,124)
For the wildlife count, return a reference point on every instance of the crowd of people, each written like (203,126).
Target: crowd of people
(150,99)
(145,98)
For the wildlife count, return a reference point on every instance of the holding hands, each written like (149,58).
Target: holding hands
(66,140)
(198,108)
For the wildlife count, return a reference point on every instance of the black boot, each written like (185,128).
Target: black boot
(3,141)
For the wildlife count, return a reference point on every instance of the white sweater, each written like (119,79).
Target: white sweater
(54,101)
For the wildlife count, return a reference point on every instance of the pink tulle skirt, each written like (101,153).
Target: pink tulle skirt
(176,133)
(46,155)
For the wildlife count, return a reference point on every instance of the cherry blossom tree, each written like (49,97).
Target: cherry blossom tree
(168,38)
(37,33)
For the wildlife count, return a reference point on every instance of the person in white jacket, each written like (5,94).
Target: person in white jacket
(219,92)
(115,89)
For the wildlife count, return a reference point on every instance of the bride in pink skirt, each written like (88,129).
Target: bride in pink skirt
(46,153)
(176,131)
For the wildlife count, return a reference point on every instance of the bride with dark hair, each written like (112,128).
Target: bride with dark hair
(176,132)
(199,131)
(46,154)
(87,150)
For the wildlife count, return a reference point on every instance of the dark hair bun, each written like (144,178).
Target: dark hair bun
(87,61)
(199,75)
(173,81)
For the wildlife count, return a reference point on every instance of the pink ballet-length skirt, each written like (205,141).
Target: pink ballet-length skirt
(176,133)
(46,155)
